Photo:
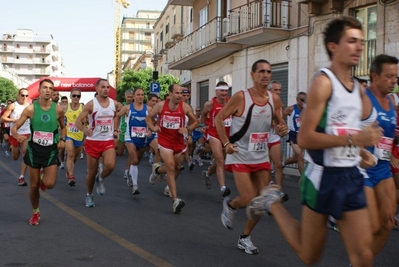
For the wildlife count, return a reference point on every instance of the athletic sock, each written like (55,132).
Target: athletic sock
(134,173)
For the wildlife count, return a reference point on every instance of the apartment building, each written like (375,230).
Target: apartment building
(30,55)
(137,39)
(228,36)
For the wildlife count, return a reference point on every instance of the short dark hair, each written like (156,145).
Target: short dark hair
(221,83)
(75,89)
(376,64)
(151,96)
(100,80)
(300,93)
(171,87)
(64,97)
(46,81)
(255,65)
(336,28)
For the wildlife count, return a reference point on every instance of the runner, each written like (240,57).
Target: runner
(136,134)
(74,139)
(379,182)
(11,115)
(99,138)
(5,129)
(43,143)
(120,144)
(152,100)
(209,113)
(252,111)
(330,133)
(171,132)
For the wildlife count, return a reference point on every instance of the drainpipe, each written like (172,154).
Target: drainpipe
(219,21)
(181,19)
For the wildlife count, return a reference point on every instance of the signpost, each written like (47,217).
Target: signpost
(155,88)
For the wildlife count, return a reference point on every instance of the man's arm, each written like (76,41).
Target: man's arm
(87,109)
(26,114)
(281,126)
(287,111)
(188,110)
(205,111)
(151,115)
(60,117)
(7,113)
(123,112)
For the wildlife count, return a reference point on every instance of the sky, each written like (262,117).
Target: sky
(83,29)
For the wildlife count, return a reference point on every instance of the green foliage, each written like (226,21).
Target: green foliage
(7,90)
(141,79)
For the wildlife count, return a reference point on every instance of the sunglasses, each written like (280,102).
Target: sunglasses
(76,96)
(23,95)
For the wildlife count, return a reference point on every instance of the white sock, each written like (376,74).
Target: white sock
(134,172)
(223,188)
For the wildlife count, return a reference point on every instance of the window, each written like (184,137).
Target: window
(17,56)
(18,46)
(161,37)
(167,28)
(174,19)
(30,57)
(148,25)
(191,14)
(30,46)
(30,67)
(368,17)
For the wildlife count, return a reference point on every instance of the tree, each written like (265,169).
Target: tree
(141,79)
(7,90)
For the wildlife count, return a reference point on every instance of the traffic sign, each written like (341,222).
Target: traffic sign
(155,88)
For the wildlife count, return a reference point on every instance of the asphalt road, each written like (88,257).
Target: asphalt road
(142,230)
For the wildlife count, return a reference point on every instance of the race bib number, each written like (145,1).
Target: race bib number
(227,122)
(383,149)
(43,138)
(170,122)
(72,128)
(298,122)
(104,125)
(139,132)
(345,152)
(7,124)
(258,141)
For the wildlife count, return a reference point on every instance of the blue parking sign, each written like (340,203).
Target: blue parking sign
(155,88)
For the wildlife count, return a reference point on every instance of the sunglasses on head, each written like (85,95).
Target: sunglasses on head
(23,95)
(303,100)
(75,96)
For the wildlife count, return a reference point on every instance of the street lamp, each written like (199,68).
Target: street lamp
(143,64)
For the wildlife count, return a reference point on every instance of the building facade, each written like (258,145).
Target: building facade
(30,55)
(137,39)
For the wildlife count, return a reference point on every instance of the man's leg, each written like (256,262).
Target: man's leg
(217,151)
(120,148)
(92,169)
(70,163)
(381,205)
(299,155)
(23,152)
(109,163)
(169,167)
(276,157)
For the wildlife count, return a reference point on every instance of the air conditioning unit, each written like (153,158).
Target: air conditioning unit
(226,27)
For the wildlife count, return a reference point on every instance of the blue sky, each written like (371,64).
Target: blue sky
(83,29)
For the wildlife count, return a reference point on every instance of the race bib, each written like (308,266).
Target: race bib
(227,122)
(170,122)
(72,127)
(298,122)
(43,138)
(258,141)
(103,125)
(7,124)
(139,132)
(345,152)
(382,150)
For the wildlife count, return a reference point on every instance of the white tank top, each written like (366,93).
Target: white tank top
(342,116)
(101,121)
(252,147)
(16,114)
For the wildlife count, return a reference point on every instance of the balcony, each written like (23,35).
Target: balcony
(182,2)
(7,50)
(259,22)
(23,50)
(41,51)
(369,53)
(201,47)
(176,31)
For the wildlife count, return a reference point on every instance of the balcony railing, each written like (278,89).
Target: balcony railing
(206,35)
(369,53)
(176,31)
(266,13)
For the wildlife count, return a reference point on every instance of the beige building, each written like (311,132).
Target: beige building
(228,36)
(137,39)
(30,55)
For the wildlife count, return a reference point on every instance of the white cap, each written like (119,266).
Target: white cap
(2,104)
(222,87)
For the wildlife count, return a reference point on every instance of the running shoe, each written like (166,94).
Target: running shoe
(166,192)
(126,174)
(21,181)
(35,218)
(151,159)
(7,154)
(260,205)
(89,201)
(82,156)
(331,224)
(200,163)
(191,166)
(246,244)
(62,166)
(284,196)
(197,149)
(226,192)
(181,168)
(207,179)
(178,204)
(3,144)
(71,180)
(135,190)
(100,188)
(154,176)
(100,168)
(228,214)
(129,181)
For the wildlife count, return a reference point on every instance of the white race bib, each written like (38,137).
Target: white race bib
(227,122)
(170,122)
(258,141)
(7,124)
(383,149)
(43,138)
(298,122)
(139,132)
(103,125)
(345,152)
(72,127)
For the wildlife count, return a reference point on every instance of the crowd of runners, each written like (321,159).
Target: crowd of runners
(342,132)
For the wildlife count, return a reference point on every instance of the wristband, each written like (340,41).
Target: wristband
(62,139)
(225,144)
(350,139)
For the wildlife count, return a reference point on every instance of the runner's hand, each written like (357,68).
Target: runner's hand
(369,136)
(231,148)
(282,129)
